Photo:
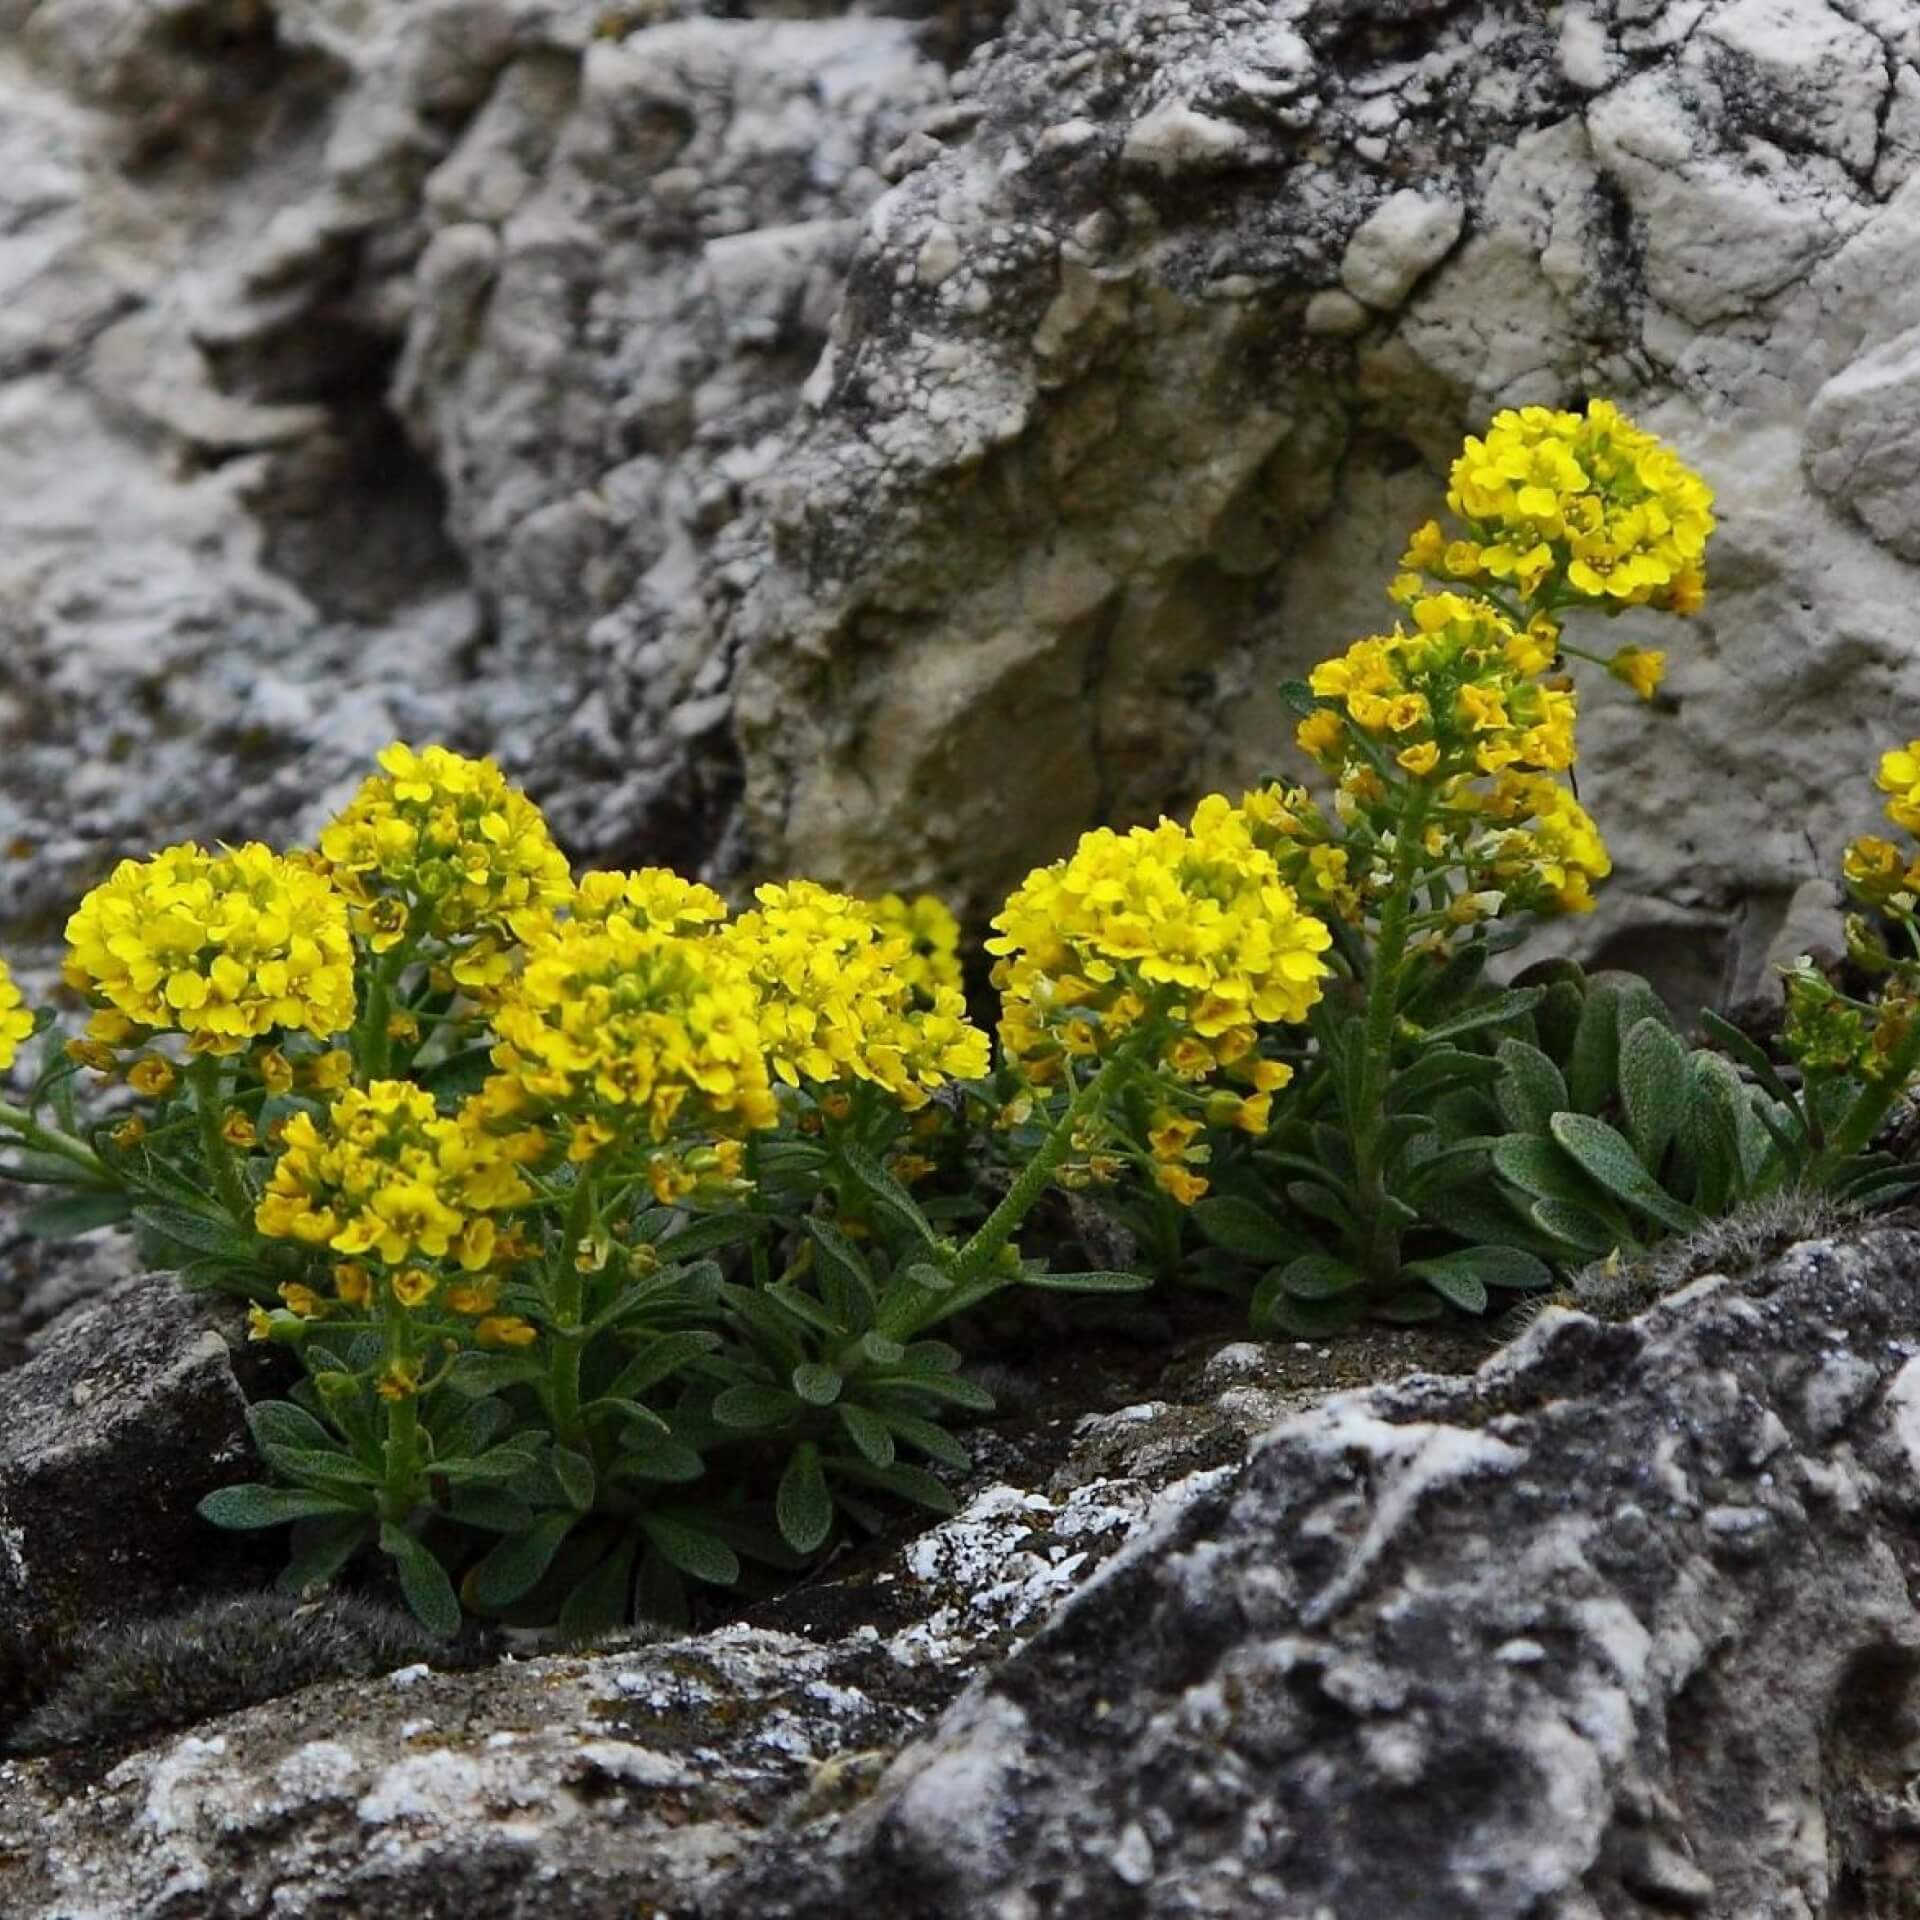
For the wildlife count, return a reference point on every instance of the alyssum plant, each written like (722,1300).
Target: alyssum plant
(589,1207)
(616,1231)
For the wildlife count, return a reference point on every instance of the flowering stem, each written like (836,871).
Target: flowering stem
(51,1140)
(568,1296)
(204,1078)
(374,1042)
(1367,1122)
(1855,1133)
(403,1415)
(974,1273)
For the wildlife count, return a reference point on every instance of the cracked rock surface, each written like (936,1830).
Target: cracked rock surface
(883,439)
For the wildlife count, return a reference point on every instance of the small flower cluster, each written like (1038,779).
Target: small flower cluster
(933,941)
(625,1029)
(1454,696)
(839,997)
(1590,502)
(1190,927)
(225,947)
(440,845)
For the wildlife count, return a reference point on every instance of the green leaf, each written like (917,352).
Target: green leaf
(817,1383)
(1299,697)
(843,1271)
(923,1356)
(458,1075)
(1577,1228)
(1608,1158)
(327,1467)
(805,1309)
(868,1432)
(479,1374)
(754,1408)
(423,1581)
(76,1213)
(1317,1276)
(1507,1268)
(490,1509)
(665,1460)
(887,1192)
(667,1354)
(1429,991)
(573,1472)
(1276,1312)
(930,1437)
(279,1423)
(1594,1064)
(803,1506)
(517,1565)
(1536,1165)
(1242,1227)
(691,1550)
(1655,1086)
(320,1547)
(909,1483)
(470,1429)
(630,1411)
(1495,1012)
(1088,1282)
(245,1509)
(714,1231)
(950,1387)
(598,1605)
(1320,1204)
(1464,1160)
(1530,1090)
(201,1232)
(1487,1219)
(1751,1055)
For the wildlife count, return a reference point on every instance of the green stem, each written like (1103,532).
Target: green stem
(980,1252)
(569,1291)
(403,1419)
(52,1140)
(203,1076)
(1855,1133)
(1367,1123)
(375,1048)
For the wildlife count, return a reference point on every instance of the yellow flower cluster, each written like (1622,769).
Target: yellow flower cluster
(1454,695)
(389,1178)
(1570,508)
(1194,921)
(16,1019)
(1875,869)
(224,946)
(439,845)
(837,998)
(933,940)
(1543,850)
(623,1025)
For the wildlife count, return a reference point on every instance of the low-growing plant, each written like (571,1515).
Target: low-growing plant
(619,1235)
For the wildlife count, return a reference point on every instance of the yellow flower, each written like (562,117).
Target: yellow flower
(1550,853)
(1899,775)
(505,1330)
(1195,920)
(412,1287)
(837,998)
(1421,759)
(275,1070)
(933,939)
(224,946)
(439,845)
(129,1133)
(1641,668)
(650,897)
(1185,1187)
(237,1130)
(90,1053)
(1590,498)
(329,1072)
(352,1283)
(152,1077)
(390,1178)
(1321,735)
(620,1021)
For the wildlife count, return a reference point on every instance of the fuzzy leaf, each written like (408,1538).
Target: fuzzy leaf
(754,1408)
(1537,1166)
(1595,1061)
(654,1459)
(1088,1282)
(868,1432)
(517,1565)
(598,1605)
(76,1213)
(887,1193)
(1276,1312)
(574,1474)
(1411,1308)
(423,1581)
(803,1506)
(1317,1276)
(909,1483)
(1494,1012)
(1243,1227)
(1608,1158)
(1530,1090)
(202,1232)
(1576,1228)
(817,1384)
(692,1550)
(279,1423)
(320,1547)
(1655,1086)
(931,1438)
(245,1509)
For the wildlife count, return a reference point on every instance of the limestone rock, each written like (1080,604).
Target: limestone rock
(127,1415)
(1622,1624)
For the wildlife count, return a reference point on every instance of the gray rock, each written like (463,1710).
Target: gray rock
(127,1415)
(1621,1623)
